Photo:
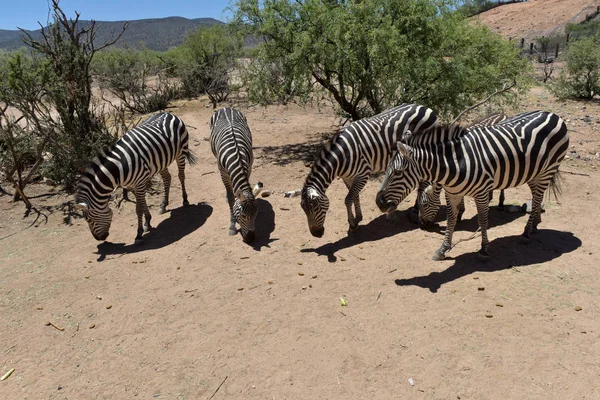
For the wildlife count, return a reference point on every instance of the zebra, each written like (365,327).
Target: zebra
(428,193)
(362,148)
(231,144)
(130,163)
(527,148)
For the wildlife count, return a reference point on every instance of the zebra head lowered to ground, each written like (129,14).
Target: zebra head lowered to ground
(138,155)
(528,148)
(362,148)
(231,144)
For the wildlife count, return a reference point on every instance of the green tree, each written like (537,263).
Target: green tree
(138,78)
(370,55)
(206,60)
(68,122)
(581,76)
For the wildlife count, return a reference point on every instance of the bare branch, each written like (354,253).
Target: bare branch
(505,88)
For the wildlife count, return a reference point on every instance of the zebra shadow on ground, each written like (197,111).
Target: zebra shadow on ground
(379,228)
(265,225)
(506,252)
(181,222)
(496,217)
(283,155)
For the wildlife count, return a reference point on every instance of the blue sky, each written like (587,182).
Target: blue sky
(26,13)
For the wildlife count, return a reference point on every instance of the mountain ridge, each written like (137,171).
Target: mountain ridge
(153,33)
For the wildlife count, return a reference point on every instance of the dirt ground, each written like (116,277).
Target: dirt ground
(196,314)
(534,18)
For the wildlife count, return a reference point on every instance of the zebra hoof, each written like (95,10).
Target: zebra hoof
(147,228)
(162,210)
(232,232)
(186,203)
(138,241)
(483,255)
(438,256)
(524,239)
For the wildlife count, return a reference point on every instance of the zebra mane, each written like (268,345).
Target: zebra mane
(435,134)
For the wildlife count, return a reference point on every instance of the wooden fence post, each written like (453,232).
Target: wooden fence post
(557,49)
(531,48)
(522,42)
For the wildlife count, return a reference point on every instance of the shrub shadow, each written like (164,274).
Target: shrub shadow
(379,228)
(181,222)
(505,252)
(265,225)
(289,153)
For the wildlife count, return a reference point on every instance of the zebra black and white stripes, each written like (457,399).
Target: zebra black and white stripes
(142,152)
(231,144)
(364,147)
(527,148)
(428,193)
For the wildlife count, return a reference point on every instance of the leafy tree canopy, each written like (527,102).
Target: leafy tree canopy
(370,55)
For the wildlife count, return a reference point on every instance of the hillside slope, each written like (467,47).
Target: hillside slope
(155,34)
(536,17)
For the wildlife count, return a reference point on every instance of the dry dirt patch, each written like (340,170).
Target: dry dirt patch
(193,308)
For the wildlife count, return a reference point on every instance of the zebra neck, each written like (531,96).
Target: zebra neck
(321,175)
(430,158)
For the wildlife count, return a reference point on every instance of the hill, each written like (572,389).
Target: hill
(536,18)
(156,33)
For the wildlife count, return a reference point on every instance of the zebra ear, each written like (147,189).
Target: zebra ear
(241,196)
(404,149)
(81,206)
(257,188)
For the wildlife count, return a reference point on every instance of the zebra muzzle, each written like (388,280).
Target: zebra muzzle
(386,206)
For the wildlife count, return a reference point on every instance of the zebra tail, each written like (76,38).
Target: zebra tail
(191,157)
(556,185)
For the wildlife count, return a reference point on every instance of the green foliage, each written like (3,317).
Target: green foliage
(583,30)
(206,61)
(370,55)
(581,76)
(139,78)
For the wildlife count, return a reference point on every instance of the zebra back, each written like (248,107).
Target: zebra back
(231,144)
(367,144)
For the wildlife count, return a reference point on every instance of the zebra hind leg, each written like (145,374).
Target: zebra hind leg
(181,170)
(537,192)
(166,177)
(482,202)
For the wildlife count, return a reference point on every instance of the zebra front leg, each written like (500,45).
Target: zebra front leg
(166,177)
(354,189)
(452,203)
(141,209)
(230,201)
(482,201)
(501,200)
(461,210)
(181,170)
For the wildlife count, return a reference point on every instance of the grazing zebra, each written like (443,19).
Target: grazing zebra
(527,148)
(231,143)
(130,163)
(364,147)
(428,197)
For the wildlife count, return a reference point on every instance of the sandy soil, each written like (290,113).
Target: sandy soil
(194,312)
(535,18)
